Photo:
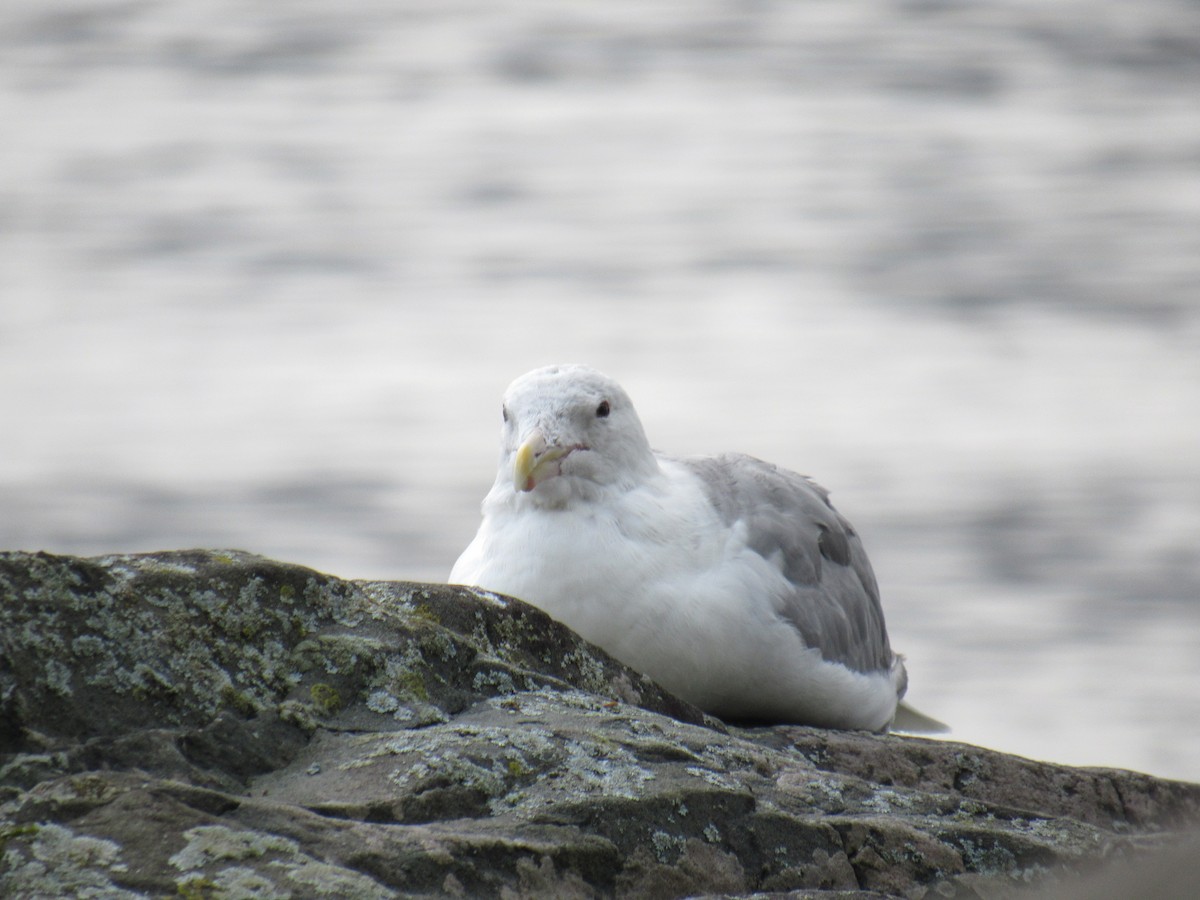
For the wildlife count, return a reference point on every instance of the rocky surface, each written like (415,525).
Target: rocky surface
(215,724)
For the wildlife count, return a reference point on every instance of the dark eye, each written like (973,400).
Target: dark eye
(504,412)
(603,410)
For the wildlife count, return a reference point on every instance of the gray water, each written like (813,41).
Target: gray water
(265,269)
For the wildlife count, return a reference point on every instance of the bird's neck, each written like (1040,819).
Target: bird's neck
(566,492)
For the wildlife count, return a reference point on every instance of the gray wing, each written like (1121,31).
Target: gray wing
(834,602)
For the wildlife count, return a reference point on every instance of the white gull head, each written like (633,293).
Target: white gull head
(569,432)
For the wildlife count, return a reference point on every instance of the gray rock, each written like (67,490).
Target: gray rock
(215,724)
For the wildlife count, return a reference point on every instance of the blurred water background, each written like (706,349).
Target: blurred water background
(266,267)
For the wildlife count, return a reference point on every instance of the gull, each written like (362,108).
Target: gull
(731,582)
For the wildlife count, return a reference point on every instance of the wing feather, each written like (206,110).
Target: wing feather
(833,597)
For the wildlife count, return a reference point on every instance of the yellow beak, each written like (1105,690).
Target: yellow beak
(535,462)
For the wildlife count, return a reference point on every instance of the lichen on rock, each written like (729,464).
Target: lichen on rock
(215,724)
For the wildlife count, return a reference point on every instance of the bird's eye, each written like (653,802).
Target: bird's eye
(504,412)
(603,410)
